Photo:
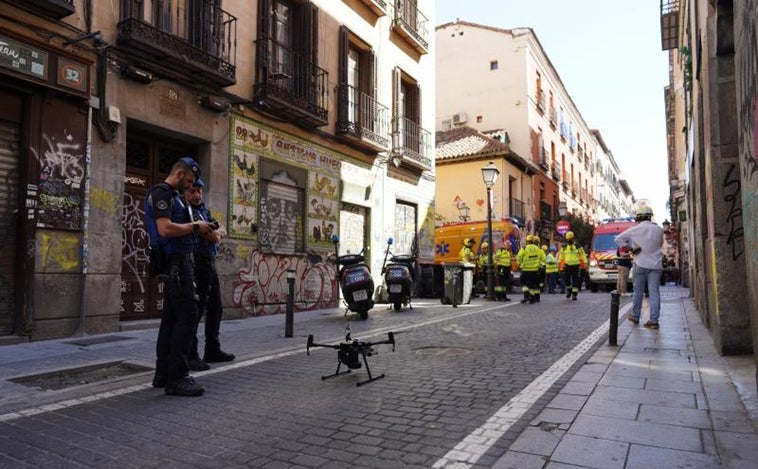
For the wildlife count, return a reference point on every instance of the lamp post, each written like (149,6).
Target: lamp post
(463,212)
(489,175)
(666,225)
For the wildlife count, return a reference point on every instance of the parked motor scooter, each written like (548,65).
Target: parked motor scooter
(355,281)
(398,277)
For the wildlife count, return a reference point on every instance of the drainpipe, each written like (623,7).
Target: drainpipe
(80,327)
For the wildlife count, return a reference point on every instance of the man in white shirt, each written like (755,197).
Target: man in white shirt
(646,239)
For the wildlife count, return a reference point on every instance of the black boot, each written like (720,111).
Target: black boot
(505,298)
(527,296)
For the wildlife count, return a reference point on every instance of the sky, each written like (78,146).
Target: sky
(609,58)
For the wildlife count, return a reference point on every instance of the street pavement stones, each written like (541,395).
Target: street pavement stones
(664,399)
(454,374)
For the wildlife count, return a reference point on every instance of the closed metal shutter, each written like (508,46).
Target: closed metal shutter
(9,183)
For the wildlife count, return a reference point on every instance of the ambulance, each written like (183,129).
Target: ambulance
(448,241)
(602,267)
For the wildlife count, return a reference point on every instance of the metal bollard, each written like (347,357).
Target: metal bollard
(290,311)
(613,331)
(457,274)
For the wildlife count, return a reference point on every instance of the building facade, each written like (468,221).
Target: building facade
(501,80)
(309,119)
(712,162)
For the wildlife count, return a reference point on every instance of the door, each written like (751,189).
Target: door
(148,161)
(10,142)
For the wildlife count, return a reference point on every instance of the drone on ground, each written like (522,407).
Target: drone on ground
(350,352)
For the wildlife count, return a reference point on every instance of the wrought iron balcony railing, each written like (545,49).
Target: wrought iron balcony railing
(556,170)
(541,101)
(56,9)
(289,85)
(191,44)
(410,23)
(379,7)
(517,208)
(411,143)
(363,119)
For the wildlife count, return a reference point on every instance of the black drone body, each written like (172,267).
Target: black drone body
(350,351)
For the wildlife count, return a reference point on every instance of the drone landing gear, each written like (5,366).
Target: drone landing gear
(350,353)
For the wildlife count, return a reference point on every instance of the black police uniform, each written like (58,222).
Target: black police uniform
(209,292)
(180,309)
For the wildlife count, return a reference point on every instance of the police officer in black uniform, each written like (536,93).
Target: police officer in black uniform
(208,287)
(172,243)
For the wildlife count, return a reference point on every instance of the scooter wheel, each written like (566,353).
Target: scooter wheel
(363,313)
(398,305)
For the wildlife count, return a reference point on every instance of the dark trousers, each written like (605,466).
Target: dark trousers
(504,279)
(178,320)
(572,279)
(209,294)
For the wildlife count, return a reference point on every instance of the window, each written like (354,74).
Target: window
(493,64)
(358,108)
(407,111)
(282,207)
(405,241)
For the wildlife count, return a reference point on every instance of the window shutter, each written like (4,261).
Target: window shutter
(396,111)
(344,49)
(417,105)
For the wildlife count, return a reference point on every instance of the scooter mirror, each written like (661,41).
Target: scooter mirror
(335,239)
(389,241)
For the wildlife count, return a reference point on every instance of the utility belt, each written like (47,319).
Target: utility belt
(180,258)
(204,260)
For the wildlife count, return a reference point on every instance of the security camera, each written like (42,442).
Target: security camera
(396,161)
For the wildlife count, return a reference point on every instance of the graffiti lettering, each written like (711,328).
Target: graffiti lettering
(103,200)
(62,161)
(134,240)
(734,218)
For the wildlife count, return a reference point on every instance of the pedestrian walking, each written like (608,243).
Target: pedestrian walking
(646,239)
(208,285)
(171,233)
(572,261)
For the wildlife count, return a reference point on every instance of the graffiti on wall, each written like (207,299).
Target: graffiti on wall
(134,240)
(261,286)
(59,252)
(61,161)
(731,189)
(747,56)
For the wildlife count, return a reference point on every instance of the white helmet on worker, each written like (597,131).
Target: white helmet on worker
(643,213)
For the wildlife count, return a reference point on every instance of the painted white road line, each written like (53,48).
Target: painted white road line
(477,443)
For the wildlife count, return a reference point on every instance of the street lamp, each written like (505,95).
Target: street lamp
(666,225)
(489,175)
(463,212)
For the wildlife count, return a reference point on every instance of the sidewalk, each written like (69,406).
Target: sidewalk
(662,398)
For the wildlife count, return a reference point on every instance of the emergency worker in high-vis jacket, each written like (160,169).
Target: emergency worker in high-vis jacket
(530,258)
(551,269)
(467,254)
(502,261)
(572,261)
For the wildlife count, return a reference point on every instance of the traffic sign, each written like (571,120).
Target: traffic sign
(562,227)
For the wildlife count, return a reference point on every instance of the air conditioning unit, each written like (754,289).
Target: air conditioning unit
(460,118)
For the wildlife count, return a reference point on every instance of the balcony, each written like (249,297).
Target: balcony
(669,24)
(56,9)
(580,153)
(197,46)
(411,143)
(412,25)
(517,208)
(553,116)
(541,101)
(543,159)
(289,85)
(379,7)
(361,119)
(556,170)
(566,185)
(546,212)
